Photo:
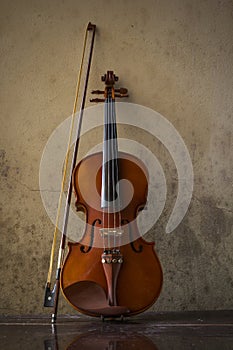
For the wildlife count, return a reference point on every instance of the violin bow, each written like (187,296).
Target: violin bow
(51,297)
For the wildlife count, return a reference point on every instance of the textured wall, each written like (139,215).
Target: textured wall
(176,58)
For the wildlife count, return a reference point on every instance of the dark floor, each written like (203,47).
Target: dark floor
(171,331)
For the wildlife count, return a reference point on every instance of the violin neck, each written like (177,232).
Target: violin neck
(110,190)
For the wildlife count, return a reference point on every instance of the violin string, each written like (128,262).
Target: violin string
(117,225)
(113,155)
(108,141)
(117,176)
(49,277)
(116,169)
(104,170)
(110,162)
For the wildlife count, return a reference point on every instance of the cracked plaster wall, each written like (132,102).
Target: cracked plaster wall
(174,57)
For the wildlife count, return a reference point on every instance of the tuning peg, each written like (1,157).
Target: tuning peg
(122,91)
(121,95)
(97,92)
(97,100)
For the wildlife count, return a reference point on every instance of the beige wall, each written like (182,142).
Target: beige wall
(174,57)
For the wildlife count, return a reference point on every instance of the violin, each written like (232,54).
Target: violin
(112,271)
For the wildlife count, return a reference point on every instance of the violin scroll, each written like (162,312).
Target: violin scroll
(109,78)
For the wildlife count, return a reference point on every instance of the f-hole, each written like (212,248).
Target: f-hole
(140,247)
(85,249)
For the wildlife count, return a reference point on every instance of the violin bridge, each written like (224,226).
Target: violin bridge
(111,232)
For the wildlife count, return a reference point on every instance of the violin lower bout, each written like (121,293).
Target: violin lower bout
(137,285)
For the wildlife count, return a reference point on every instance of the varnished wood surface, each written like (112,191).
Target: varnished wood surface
(140,278)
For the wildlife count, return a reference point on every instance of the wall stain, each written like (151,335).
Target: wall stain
(189,244)
(4,164)
(215,224)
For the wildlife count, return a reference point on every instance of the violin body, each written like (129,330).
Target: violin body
(102,280)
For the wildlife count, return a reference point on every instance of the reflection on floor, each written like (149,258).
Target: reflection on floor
(149,331)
